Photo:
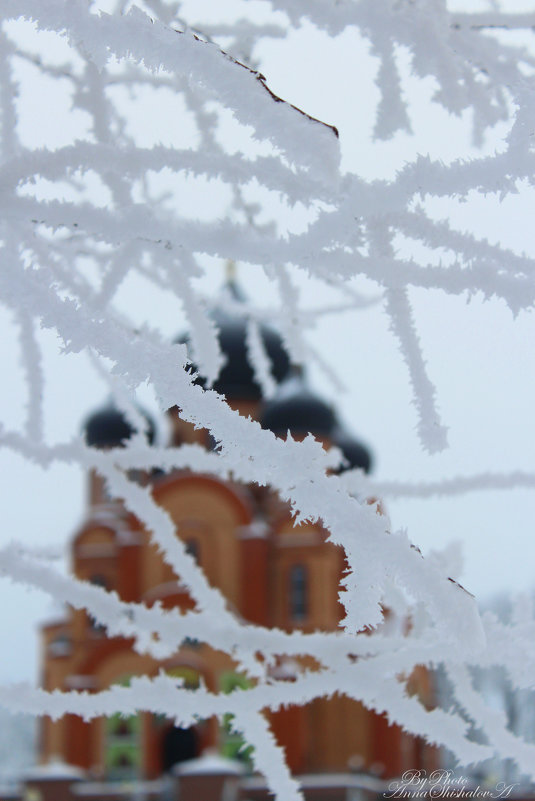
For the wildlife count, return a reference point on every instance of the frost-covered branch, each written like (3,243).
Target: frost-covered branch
(111,198)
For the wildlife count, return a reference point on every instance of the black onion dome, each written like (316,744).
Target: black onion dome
(355,452)
(236,379)
(296,409)
(108,428)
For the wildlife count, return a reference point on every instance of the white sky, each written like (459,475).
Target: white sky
(481,359)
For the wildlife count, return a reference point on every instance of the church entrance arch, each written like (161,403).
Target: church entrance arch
(178,744)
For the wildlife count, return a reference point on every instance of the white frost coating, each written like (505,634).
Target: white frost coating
(204,343)
(259,359)
(355,481)
(353,225)
(34,377)
(430,429)
(236,86)
(431,432)
(391,113)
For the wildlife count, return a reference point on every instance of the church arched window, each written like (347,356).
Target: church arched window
(178,744)
(192,547)
(232,743)
(99,581)
(298,592)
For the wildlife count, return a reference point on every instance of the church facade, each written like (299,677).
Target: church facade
(271,573)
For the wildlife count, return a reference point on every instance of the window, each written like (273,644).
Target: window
(192,547)
(123,751)
(123,754)
(179,744)
(99,581)
(298,592)
(233,745)
(60,646)
(191,677)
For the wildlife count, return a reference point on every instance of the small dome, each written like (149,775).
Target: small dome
(356,454)
(298,410)
(108,428)
(236,379)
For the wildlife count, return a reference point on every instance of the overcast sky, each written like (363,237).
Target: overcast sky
(480,358)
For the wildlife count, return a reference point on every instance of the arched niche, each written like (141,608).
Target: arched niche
(305,577)
(94,552)
(208,514)
(168,743)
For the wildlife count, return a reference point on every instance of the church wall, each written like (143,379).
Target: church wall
(253,570)
(53,738)
(305,545)
(338,734)
(208,511)
(129,570)
(254,602)
(288,725)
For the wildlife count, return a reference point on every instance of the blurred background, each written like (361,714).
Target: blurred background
(479,356)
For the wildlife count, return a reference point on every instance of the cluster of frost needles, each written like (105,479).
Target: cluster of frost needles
(104,206)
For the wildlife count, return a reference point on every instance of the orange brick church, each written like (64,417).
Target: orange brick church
(271,573)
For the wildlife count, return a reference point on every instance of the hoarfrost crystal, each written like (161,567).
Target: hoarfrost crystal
(126,224)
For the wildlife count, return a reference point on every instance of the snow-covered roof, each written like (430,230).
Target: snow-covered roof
(57,612)
(9,793)
(56,769)
(118,788)
(209,763)
(363,781)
